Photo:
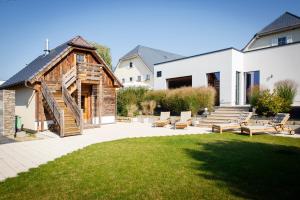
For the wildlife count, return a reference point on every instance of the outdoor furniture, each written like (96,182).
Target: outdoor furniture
(243,120)
(185,120)
(276,125)
(163,120)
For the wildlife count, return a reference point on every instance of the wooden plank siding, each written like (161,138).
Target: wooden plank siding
(102,93)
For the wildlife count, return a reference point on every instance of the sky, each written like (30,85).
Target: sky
(186,27)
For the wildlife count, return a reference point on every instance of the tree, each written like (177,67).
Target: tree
(104,52)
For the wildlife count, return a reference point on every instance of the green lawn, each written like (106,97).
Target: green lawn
(211,166)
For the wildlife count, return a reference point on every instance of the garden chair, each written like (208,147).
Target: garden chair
(277,124)
(164,119)
(185,120)
(241,121)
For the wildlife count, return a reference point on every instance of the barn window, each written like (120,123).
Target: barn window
(130,65)
(123,80)
(79,58)
(130,79)
(139,78)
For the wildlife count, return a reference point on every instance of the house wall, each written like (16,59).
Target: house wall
(123,71)
(198,67)
(275,64)
(25,106)
(266,41)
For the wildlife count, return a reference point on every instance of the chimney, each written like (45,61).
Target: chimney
(46,50)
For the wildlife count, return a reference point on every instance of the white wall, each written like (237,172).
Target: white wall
(266,41)
(139,69)
(198,67)
(280,63)
(25,106)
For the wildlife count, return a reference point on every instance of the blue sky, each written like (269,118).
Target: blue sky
(185,27)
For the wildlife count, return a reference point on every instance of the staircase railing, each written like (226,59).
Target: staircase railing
(70,77)
(57,112)
(71,104)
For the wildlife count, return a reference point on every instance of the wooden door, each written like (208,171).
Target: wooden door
(86,107)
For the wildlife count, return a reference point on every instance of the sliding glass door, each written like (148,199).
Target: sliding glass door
(251,79)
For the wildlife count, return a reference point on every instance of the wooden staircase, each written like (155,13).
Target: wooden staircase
(223,115)
(70,125)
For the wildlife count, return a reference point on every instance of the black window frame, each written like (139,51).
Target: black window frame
(282,41)
(130,79)
(158,74)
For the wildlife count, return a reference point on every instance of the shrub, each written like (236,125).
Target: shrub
(185,98)
(269,104)
(132,110)
(287,90)
(148,107)
(253,95)
(129,96)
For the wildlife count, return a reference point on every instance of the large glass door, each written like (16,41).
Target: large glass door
(251,79)
(213,80)
(237,88)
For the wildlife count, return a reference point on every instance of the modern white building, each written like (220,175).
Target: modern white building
(273,54)
(136,68)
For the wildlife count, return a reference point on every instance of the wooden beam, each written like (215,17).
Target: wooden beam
(100,100)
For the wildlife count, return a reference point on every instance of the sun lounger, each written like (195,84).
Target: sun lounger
(185,120)
(243,120)
(276,125)
(164,119)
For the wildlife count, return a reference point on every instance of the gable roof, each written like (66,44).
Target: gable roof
(43,60)
(285,21)
(151,56)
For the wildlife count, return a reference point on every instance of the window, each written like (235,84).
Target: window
(147,77)
(139,78)
(158,74)
(282,41)
(130,65)
(130,79)
(123,80)
(79,58)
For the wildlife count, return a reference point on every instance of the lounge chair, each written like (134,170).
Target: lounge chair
(242,121)
(164,119)
(276,125)
(185,120)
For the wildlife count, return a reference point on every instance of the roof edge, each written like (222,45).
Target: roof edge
(202,54)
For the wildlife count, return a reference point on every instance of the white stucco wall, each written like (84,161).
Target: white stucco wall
(274,64)
(280,63)
(198,67)
(123,71)
(266,41)
(25,107)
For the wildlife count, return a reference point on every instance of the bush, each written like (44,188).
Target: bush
(185,98)
(129,96)
(148,107)
(132,110)
(253,95)
(287,90)
(269,104)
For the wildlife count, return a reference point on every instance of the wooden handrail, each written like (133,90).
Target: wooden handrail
(89,71)
(57,112)
(71,104)
(70,77)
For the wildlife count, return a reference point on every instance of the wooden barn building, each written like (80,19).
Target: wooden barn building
(66,89)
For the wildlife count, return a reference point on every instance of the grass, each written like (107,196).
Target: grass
(211,166)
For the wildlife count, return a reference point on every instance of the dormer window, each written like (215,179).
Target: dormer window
(130,65)
(282,41)
(79,58)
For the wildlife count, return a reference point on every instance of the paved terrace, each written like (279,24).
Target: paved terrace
(21,156)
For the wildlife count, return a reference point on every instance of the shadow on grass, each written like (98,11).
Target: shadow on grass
(250,170)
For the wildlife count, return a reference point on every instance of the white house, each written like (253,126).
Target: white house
(271,55)
(136,68)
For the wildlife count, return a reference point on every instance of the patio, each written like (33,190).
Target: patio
(21,156)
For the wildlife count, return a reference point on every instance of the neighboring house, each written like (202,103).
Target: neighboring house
(68,88)
(137,66)
(271,55)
